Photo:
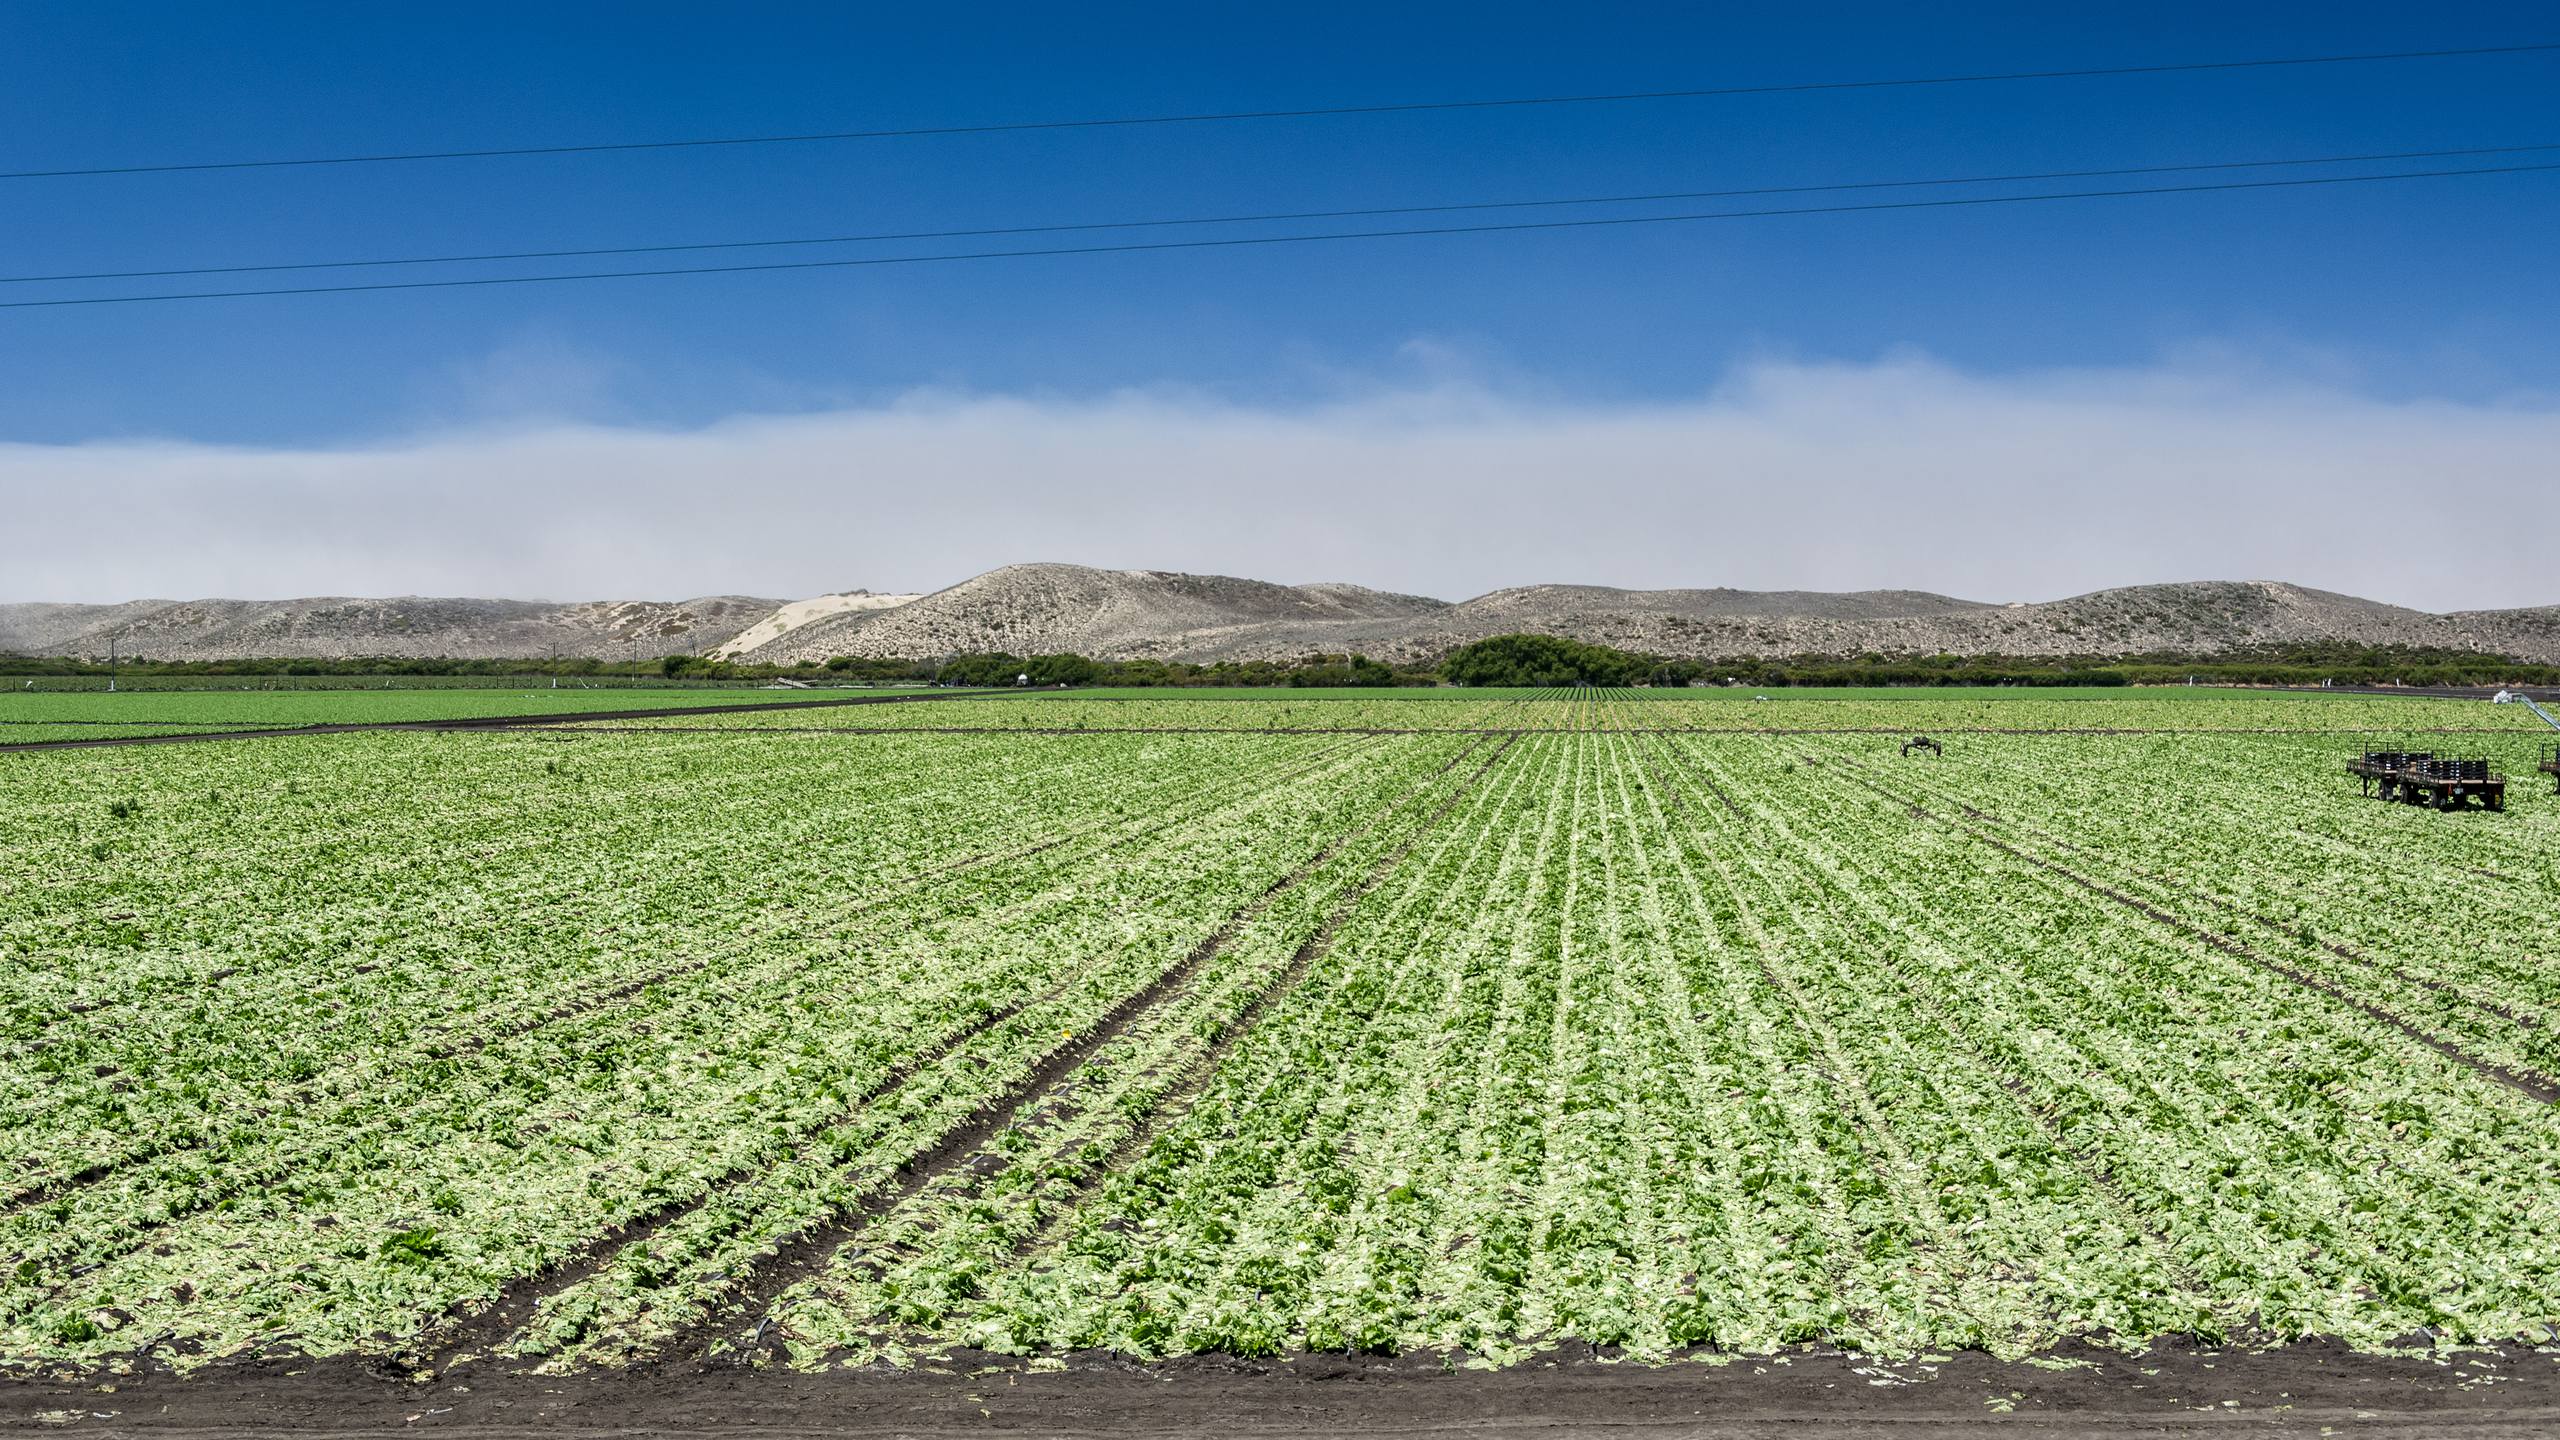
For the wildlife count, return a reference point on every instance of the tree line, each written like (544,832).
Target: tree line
(1501,660)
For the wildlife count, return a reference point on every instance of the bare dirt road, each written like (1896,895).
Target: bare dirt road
(2307,1390)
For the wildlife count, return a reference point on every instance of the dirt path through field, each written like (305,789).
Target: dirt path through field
(2309,1390)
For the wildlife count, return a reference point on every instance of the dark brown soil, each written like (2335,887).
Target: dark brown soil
(2308,1389)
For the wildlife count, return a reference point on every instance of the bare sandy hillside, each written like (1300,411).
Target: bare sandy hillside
(798,613)
(1127,614)
(1035,609)
(2199,616)
(335,627)
(1046,609)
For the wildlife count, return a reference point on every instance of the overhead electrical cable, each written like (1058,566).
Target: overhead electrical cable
(1301,113)
(1241,241)
(1658,197)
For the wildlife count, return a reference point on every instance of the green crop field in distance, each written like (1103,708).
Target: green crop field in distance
(58,715)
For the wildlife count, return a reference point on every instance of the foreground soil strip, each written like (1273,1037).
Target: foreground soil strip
(2175,1388)
(485,722)
(2540,1087)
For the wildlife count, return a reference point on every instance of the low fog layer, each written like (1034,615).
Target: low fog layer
(1833,477)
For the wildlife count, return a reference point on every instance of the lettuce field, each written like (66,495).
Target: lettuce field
(1474,1024)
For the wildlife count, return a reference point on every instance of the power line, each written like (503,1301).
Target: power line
(1276,216)
(1135,247)
(1303,113)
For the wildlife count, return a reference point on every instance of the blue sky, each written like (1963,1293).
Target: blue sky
(2432,293)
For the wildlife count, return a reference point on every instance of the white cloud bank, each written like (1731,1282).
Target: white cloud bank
(1899,474)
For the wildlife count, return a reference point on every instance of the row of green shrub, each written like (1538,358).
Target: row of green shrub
(1503,660)
(1311,670)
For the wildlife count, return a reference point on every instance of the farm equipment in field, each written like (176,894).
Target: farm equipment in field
(2547,760)
(2420,777)
(1924,743)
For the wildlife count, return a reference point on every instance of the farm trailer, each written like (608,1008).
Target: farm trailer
(2424,778)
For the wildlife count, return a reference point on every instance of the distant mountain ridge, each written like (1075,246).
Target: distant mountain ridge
(1134,614)
(337,627)
(1168,615)
(1119,614)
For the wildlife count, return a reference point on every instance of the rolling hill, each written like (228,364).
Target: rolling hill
(1131,614)
(408,626)
(1046,609)
(1118,614)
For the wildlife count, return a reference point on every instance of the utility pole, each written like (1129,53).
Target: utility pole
(111,664)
